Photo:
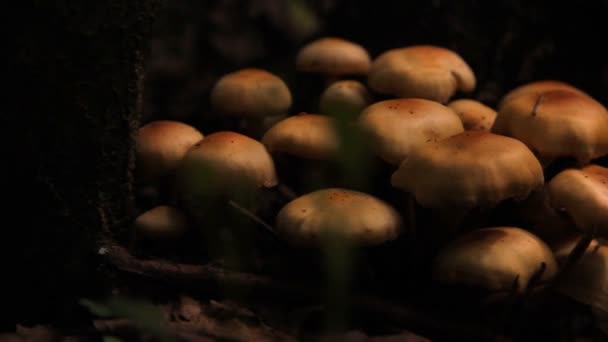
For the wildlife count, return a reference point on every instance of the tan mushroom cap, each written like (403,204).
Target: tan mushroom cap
(583,195)
(395,127)
(251,92)
(310,136)
(470,169)
(587,280)
(160,145)
(161,223)
(225,163)
(333,56)
(556,123)
(475,115)
(346,98)
(495,259)
(539,87)
(346,214)
(423,71)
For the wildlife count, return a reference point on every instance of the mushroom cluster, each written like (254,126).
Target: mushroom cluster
(437,147)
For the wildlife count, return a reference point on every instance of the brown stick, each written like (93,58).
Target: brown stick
(397,314)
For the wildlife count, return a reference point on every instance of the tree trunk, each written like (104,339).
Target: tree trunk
(74,77)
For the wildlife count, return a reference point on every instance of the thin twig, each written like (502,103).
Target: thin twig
(245,212)
(536,104)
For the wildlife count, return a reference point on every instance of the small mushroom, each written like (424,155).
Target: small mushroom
(582,194)
(161,223)
(160,145)
(556,124)
(224,166)
(499,260)
(423,71)
(475,115)
(333,57)
(256,96)
(396,127)
(310,218)
(344,99)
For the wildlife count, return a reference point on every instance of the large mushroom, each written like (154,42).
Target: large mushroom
(499,261)
(582,195)
(470,170)
(255,96)
(539,87)
(424,71)
(556,123)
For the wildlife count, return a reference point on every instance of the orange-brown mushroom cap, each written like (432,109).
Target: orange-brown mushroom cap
(225,164)
(475,115)
(470,169)
(160,145)
(395,127)
(556,123)
(424,71)
(495,259)
(251,92)
(333,56)
(310,136)
(345,214)
(539,87)
(583,195)
(344,99)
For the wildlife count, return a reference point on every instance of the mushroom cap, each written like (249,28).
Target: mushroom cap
(251,92)
(473,168)
(333,56)
(160,145)
(539,87)
(348,215)
(225,164)
(310,136)
(475,115)
(346,98)
(583,195)
(161,223)
(395,127)
(423,71)
(587,281)
(495,259)
(556,123)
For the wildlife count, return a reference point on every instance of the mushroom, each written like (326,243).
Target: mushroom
(344,99)
(539,87)
(582,194)
(423,71)
(333,57)
(329,213)
(224,166)
(475,115)
(500,260)
(556,124)
(396,127)
(470,170)
(256,96)
(162,223)
(160,145)
(308,151)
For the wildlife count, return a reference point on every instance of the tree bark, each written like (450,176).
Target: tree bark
(74,75)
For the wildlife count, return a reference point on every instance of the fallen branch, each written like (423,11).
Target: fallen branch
(412,319)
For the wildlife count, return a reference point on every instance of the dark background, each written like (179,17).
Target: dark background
(507,43)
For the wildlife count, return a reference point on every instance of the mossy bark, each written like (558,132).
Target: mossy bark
(74,76)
